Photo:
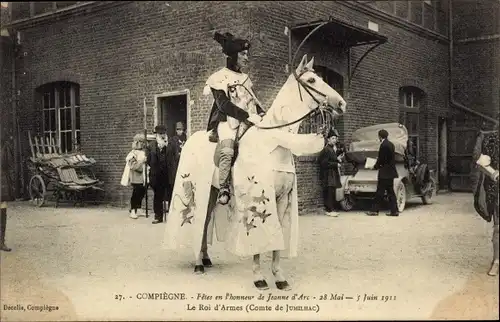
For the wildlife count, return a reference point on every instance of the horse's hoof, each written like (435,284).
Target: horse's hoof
(261,285)
(283,285)
(199,269)
(206,262)
(494,269)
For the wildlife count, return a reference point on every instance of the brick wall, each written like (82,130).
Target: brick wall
(6,55)
(118,56)
(140,49)
(406,59)
(6,85)
(477,63)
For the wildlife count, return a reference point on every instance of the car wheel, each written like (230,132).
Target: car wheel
(401,196)
(347,204)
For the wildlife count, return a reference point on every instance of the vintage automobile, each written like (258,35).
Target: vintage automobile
(415,179)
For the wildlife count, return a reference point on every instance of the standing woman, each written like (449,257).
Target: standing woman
(134,175)
(6,195)
(329,161)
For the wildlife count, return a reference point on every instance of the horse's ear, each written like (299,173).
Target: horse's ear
(310,64)
(302,64)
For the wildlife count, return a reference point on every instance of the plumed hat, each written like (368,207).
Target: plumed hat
(230,44)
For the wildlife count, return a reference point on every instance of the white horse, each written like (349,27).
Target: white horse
(263,213)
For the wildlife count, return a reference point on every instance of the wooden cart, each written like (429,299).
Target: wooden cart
(67,176)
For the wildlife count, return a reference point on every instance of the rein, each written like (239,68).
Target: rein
(320,108)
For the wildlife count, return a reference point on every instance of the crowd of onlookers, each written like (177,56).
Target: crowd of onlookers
(154,165)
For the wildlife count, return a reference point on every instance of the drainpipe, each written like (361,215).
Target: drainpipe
(15,132)
(450,72)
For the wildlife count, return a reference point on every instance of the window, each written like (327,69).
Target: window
(336,81)
(61,114)
(410,100)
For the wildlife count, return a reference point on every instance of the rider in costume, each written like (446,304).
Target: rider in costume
(235,105)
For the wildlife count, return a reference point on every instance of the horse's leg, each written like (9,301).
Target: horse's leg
(204,246)
(203,258)
(495,263)
(281,282)
(284,186)
(258,279)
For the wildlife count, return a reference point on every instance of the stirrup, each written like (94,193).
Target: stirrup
(224,197)
(213,137)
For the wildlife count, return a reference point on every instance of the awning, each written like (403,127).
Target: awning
(338,33)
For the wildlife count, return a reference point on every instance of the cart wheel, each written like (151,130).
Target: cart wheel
(347,204)
(430,193)
(37,190)
(401,196)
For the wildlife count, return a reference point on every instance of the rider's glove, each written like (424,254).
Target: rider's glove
(254,118)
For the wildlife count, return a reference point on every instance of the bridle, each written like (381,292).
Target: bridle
(321,108)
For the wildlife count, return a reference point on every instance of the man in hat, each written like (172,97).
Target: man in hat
(159,164)
(387,172)
(174,154)
(235,104)
(330,160)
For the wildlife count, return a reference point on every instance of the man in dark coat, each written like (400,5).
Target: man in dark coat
(235,103)
(177,142)
(386,166)
(329,162)
(159,163)
(174,154)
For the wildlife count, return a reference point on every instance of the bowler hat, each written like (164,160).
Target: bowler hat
(160,129)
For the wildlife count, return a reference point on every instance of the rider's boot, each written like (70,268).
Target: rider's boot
(3,226)
(214,136)
(225,161)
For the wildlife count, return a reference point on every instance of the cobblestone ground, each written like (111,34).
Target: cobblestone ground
(432,261)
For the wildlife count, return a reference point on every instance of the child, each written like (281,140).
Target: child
(134,175)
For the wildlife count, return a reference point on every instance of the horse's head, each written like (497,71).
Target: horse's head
(314,90)
(303,92)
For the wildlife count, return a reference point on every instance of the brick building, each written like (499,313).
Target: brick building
(83,69)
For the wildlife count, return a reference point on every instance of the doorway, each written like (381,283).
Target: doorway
(172,108)
(442,154)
